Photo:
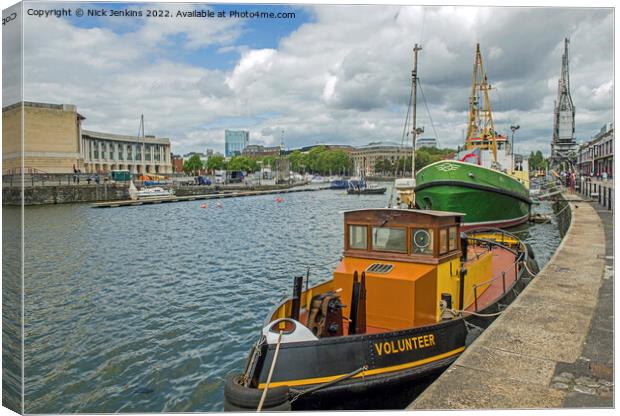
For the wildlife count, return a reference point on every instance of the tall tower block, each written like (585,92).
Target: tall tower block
(563,145)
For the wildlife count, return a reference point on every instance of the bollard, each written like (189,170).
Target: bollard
(609,200)
(599,194)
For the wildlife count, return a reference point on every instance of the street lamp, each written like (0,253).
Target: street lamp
(512,145)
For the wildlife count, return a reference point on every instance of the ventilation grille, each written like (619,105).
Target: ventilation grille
(380,268)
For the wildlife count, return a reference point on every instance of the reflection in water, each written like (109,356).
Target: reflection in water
(147,308)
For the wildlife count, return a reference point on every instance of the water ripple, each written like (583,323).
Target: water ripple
(148,308)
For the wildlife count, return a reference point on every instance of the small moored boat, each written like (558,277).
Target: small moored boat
(149,192)
(393,314)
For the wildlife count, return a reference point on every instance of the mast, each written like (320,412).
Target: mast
(480,128)
(414,80)
(143,140)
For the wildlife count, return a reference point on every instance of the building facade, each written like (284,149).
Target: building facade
(366,157)
(425,142)
(235,141)
(255,150)
(177,163)
(596,157)
(54,142)
(103,152)
(51,138)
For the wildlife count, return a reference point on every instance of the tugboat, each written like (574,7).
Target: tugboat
(486,181)
(395,312)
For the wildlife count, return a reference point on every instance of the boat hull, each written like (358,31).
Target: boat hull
(366,191)
(486,197)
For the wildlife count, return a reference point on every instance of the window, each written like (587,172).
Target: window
(130,152)
(422,241)
(452,245)
(443,240)
(358,237)
(389,239)
(139,152)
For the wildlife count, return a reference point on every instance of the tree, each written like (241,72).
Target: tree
(242,163)
(215,163)
(192,165)
(537,161)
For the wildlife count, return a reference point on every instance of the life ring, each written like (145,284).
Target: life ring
(238,397)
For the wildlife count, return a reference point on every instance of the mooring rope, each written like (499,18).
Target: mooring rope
(329,383)
(273,366)
(461,311)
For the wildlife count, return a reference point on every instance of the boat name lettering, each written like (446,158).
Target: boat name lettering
(402,345)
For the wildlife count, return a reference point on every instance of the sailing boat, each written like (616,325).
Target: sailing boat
(482,181)
(146,192)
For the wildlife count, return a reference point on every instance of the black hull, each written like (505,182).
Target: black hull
(397,365)
(369,191)
(302,365)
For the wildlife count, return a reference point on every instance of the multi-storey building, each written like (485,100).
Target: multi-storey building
(235,141)
(255,150)
(54,142)
(425,142)
(49,142)
(365,157)
(104,152)
(597,156)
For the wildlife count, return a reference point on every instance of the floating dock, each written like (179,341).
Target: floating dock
(215,195)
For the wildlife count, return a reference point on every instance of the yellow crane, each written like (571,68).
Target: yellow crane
(480,132)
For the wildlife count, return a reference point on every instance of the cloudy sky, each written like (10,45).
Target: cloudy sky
(331,74)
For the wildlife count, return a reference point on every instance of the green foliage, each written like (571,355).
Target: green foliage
(192,165)
(215,163)
(537,161)
(384,167)
(242,163)
(321,161)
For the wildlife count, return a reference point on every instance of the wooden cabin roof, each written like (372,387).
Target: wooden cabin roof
(412,211)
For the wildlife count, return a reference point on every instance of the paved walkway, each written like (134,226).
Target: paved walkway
(553,347)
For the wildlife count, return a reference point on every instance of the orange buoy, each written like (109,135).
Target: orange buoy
(204,205)
(278,199)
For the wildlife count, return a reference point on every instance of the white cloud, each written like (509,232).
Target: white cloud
(343,77)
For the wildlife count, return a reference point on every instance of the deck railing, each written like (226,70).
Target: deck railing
(506,237)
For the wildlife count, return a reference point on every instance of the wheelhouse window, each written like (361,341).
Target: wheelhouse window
(422,241)
(389,239)
(358,237)
(452,245)
(443,240)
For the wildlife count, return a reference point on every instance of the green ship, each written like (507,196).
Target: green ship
(487,197)
(484,182)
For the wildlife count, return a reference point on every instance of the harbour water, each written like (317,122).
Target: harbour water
(147,308)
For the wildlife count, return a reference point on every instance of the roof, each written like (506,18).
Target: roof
(429,212)
(379,144)
(124,138)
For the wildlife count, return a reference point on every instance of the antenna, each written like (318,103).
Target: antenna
(414,130)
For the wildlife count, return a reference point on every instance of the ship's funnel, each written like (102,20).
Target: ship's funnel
(406,191)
